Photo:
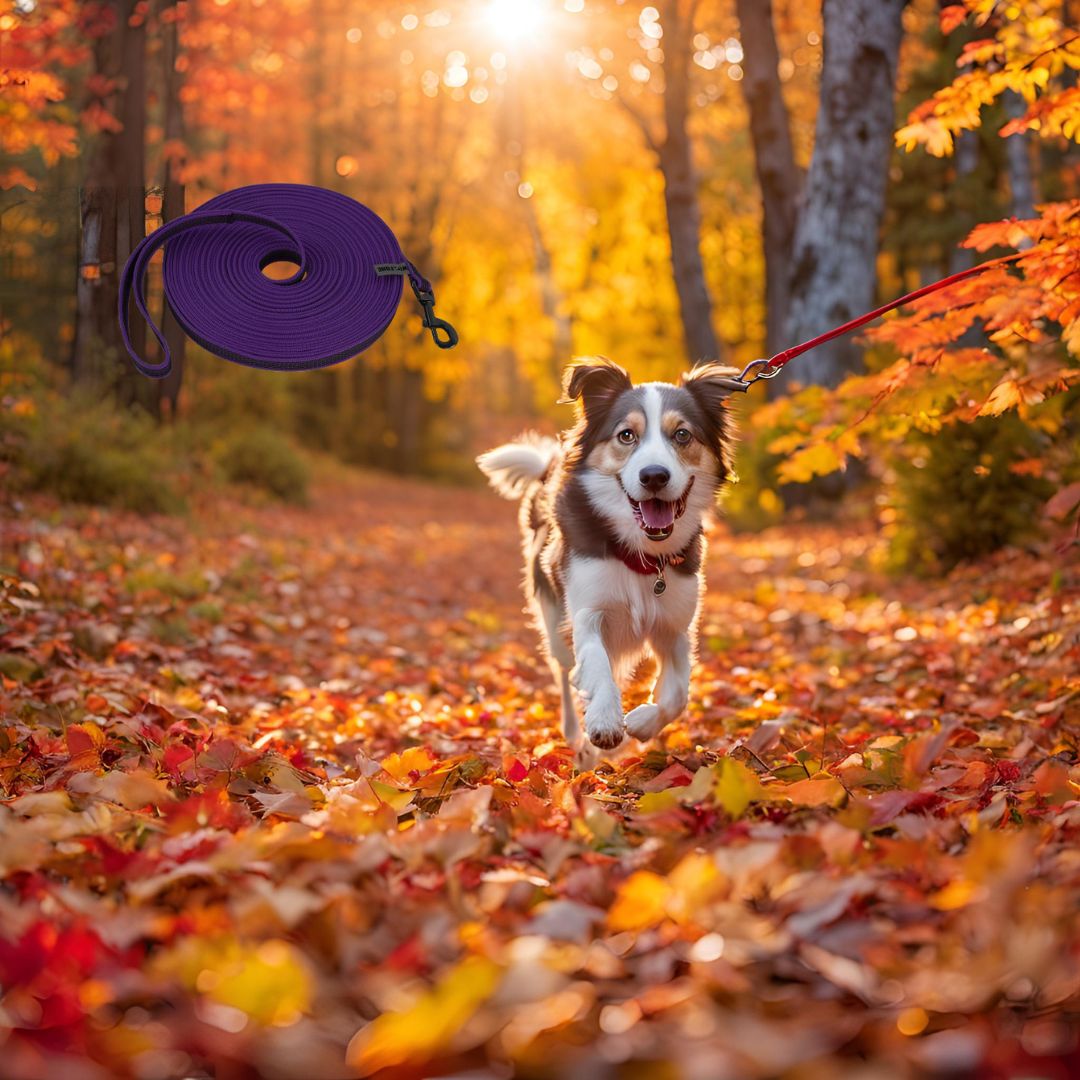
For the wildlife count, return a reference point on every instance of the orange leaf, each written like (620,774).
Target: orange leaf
(955,895)
(414,759)
(951,17)
(418,1033)
(641,902)
(820,790)
(1006,395)
(84,743)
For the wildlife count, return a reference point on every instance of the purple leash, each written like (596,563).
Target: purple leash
(339,302)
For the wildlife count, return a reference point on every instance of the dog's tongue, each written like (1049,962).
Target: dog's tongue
(657,514)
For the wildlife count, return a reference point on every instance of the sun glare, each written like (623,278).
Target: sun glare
(515,18)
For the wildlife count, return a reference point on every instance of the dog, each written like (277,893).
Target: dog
(612,515)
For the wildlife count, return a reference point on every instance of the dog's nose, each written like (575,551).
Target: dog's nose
(654,477)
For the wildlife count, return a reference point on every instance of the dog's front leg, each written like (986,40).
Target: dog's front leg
(592,675)
(671,692)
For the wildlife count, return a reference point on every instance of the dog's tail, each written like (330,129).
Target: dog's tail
(512,467)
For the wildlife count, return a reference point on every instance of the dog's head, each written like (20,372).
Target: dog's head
(652,457)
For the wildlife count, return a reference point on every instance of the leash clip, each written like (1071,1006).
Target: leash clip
(757,369)
(426,299)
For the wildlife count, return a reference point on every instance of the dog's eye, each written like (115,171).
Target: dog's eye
(627,436)
(682,436)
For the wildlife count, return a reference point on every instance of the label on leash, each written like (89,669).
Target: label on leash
(385,269)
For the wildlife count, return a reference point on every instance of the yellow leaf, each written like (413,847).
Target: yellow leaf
(268,980)
(189,698)
(417,1034)
(415,759)
(285,778)
(786,443)
(931,132)
(641,902)
(601,824)
(386,793)
(736,787)
(699,788)
(653,801)
(694,881)
(818,459)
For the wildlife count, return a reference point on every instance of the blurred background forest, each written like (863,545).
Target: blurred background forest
(663,184)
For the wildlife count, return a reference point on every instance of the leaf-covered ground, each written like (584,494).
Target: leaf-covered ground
(284,796)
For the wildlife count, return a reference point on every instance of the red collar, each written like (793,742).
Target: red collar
(649,565)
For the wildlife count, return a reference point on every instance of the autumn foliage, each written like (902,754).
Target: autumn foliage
(1025,306)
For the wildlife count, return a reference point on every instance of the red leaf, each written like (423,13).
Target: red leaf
(951,17)
(1061,505)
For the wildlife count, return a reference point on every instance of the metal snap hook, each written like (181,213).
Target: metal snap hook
(433,322)
(763,373)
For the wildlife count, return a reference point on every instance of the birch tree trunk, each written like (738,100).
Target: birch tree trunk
(836,239)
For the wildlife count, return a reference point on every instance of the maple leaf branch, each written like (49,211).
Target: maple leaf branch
(1046,52)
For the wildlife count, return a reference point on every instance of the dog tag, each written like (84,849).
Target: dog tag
(659,585)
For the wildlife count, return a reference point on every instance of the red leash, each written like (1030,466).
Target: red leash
(769,369)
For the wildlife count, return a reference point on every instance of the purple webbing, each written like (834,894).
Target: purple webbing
(332,308)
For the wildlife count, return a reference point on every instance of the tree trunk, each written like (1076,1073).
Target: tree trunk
(552,299)
(411,417)
(779,178)
(112,209)
(680,186)
(836,239)
(130,179)
(173,205)
(513,140)
(97,346)
(967,161)
(1018,155)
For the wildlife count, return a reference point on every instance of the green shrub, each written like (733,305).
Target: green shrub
(956,494)
(85,450)
(264,459)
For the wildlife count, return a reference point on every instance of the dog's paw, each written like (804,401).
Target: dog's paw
(644,722)
(586,756)
(604,726)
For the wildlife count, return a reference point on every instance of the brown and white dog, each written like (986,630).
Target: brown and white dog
(612,519)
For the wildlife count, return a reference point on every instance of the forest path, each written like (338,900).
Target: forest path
(271,772)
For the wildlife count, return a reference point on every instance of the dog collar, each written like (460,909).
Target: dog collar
(647,565)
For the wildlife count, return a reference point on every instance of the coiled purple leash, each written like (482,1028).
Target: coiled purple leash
(340,301)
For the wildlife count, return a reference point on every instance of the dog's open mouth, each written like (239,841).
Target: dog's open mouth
(657,517)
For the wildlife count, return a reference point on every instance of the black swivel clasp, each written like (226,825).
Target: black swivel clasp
(426,298)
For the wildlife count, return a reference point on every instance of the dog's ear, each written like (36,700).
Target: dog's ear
(710,386)
(594,380)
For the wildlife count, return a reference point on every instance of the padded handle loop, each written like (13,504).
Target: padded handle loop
(132,280)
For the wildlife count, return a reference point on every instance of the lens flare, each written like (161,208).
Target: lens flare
(515,19)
